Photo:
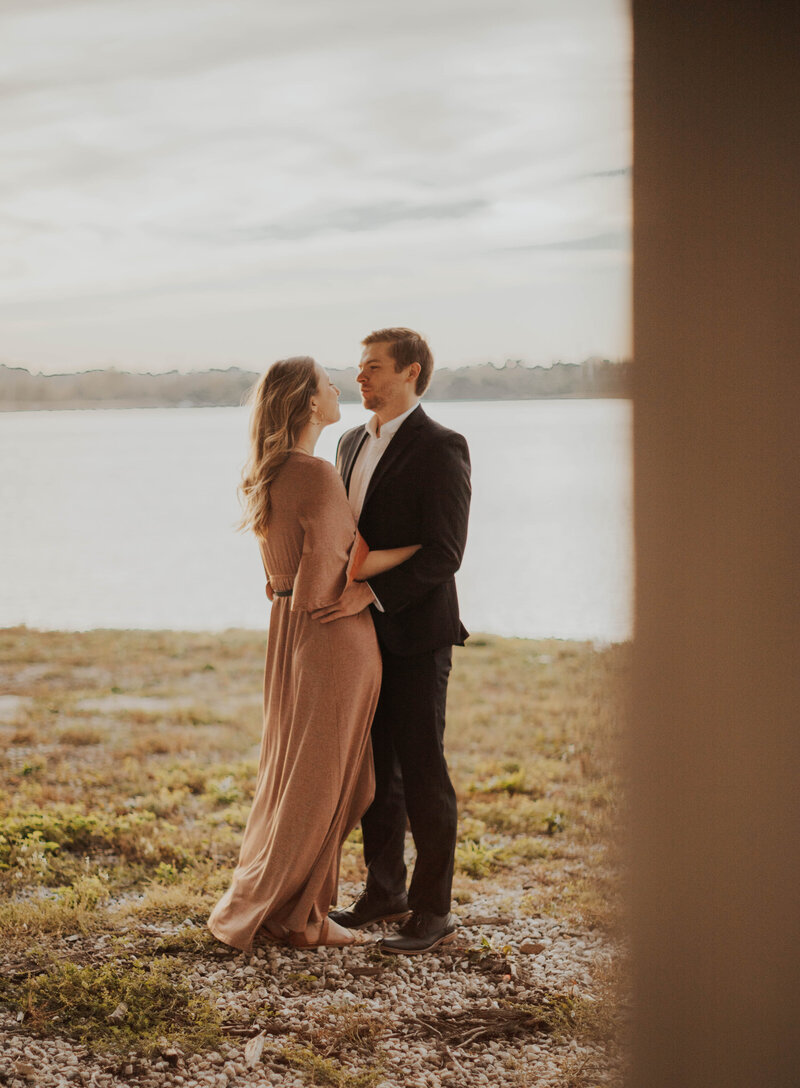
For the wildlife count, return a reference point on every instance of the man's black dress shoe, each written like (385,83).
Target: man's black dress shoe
(421,933)
(366,910)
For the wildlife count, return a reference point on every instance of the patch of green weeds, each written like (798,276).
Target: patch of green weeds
(349,1028)
(507,781)
(306,983)
(321,1070)
(527,848)
(166,873)
(189,776)
(487,949)
(514,815)
(26,850)
(117,1007)
(470,829)
(164,802)
(85,893)
(553,822)
(551,1013)
(31,843)
(188,939)
(224,791)
(21,921)
(568,1016)
(595,902)
(476,859)
(233,817)
(32,767)
(192,895)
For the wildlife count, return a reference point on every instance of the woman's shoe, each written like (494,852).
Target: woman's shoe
(330,935)
(272,933)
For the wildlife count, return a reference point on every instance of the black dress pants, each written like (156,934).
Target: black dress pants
(411,779)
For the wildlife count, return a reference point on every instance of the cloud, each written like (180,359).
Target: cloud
(612,240)
(363,217)
(201,151)
(621,172)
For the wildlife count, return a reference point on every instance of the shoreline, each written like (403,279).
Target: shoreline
(113,405)
(476,638)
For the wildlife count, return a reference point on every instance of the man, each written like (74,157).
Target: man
(408,481)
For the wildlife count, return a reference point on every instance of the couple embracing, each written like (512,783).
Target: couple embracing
(360,562)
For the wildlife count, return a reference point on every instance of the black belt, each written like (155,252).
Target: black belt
(282,592)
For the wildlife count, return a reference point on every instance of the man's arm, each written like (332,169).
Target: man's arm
(357,595)
(442,529)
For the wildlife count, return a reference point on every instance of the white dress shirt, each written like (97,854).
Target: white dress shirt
(369,455)
(372,449)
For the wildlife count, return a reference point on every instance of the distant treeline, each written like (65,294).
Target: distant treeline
(19,389)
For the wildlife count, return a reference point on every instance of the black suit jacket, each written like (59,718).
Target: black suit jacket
(418,494)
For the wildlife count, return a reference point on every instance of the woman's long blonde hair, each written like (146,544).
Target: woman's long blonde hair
(281,407)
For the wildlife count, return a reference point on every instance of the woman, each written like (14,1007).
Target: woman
(321,681)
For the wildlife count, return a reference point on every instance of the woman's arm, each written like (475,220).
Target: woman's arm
(384,559)
(363,564)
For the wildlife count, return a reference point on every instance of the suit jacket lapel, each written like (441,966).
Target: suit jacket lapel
(349,458)
(405,435)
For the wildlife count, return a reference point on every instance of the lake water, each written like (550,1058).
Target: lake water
(126,518)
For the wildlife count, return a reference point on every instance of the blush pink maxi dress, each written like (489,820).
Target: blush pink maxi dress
(321,683)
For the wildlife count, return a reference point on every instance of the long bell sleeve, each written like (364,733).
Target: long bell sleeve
(328,537)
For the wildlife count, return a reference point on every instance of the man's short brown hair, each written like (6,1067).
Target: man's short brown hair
(406,347)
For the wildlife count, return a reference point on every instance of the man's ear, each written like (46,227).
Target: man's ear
(413,372)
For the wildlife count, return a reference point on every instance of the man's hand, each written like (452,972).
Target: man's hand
(356,597)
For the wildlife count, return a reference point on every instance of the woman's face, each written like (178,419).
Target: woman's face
(327,399)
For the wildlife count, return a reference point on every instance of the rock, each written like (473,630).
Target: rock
(118,1014)
(25,1069)
(253,1049)
(531,948)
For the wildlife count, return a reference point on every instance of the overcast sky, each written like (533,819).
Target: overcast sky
(194,183)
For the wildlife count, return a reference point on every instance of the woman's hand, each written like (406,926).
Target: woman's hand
(356,597)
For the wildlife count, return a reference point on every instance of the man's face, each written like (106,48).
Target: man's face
(382,387)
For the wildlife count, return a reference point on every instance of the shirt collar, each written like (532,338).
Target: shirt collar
(390,428)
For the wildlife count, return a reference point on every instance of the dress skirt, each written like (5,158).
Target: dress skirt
(321,685)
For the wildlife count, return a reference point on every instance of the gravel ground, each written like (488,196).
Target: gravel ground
(425,1014)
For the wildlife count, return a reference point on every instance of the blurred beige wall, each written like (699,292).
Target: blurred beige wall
(715,737)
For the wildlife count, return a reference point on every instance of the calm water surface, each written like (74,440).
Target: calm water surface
(126,518)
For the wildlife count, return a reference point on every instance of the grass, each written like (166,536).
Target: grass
(118,1008)
(326,1071)
(135,798)
(130,766)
